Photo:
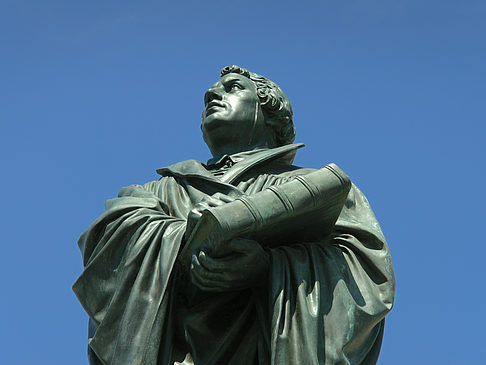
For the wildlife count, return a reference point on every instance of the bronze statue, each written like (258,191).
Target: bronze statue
(247,259)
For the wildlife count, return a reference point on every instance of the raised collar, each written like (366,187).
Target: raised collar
(193,168)
(233,158)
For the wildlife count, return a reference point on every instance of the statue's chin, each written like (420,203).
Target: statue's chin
(214,134)
(212,123)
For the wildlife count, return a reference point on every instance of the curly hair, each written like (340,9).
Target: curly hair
(275,105)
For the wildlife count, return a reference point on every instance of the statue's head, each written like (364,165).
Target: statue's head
(244,111)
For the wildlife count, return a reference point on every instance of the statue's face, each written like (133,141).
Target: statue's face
(232,114)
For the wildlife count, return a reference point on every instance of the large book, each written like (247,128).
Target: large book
(304,209)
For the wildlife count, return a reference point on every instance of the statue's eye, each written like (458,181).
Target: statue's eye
(235,87)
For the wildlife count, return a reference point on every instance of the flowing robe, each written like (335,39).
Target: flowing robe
(324,302)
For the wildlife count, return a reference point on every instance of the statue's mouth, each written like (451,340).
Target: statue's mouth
(213,106)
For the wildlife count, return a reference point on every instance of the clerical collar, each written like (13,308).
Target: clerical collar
(219,167)
(230,160)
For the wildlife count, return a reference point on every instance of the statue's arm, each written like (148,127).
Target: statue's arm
(133,206)
(129,254)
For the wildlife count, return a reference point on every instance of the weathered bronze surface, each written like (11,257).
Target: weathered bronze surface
(247,259)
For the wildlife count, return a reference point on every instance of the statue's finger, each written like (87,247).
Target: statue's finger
(223,197)
(205,285)
(208,277)
(214,282)
(212,201)
(215,265)
(202,206)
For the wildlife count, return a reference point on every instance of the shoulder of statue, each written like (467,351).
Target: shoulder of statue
(183,168)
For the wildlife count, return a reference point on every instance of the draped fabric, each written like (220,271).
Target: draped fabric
(324,302)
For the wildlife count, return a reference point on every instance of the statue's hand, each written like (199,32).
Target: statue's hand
(207,202)
(245,266)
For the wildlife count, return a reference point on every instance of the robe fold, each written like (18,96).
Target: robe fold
(324,302)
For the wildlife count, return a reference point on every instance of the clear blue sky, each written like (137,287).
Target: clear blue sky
(96,95)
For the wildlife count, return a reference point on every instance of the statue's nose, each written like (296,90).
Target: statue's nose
(212,94)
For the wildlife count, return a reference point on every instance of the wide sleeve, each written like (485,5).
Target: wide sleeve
(129,254)
(328,300)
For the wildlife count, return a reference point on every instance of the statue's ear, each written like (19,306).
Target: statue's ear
(283,128)
(272,132)
(274,124)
